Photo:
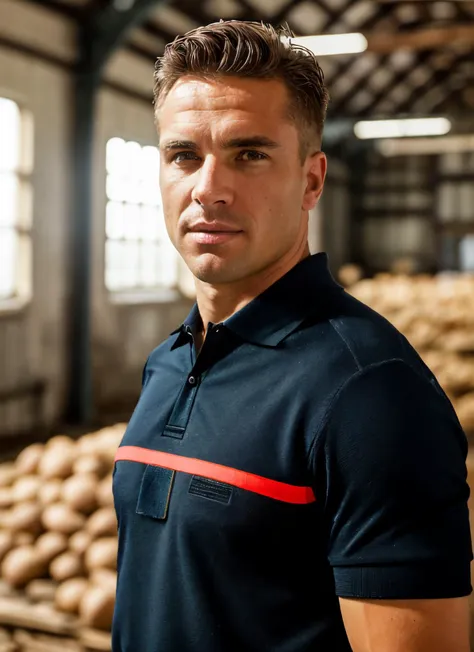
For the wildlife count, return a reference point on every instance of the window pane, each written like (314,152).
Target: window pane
(132,190)
(115,188)
(152,223)
(150,163)
(114,264)
(8,199)
(149,259)
(169,265)
(8,256)
(134,160)
(131,276)
(466,251)
(116,159)
(131,224)
(115,221)
(150,192)
(10,125)
(123,188)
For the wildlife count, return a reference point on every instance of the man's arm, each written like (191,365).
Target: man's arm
(407,625)
(390,468)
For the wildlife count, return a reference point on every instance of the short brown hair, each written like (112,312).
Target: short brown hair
(255,50)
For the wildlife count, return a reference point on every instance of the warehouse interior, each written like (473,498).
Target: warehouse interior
(89,281)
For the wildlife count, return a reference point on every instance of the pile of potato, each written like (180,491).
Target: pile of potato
(436,314)
(57,521)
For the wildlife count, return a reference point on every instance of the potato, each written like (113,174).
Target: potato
(66,566)
(105,497)
(22,565)
(6,497)
(28,460)
(87,444)
(96,608)
(8,474)
(70,593)
(80,542)
(91,464)
(41,590)
(5,519)
(50,492)
(26,517)
(104,577)
(57,461)
(61,518)
(102,523)
(26,488)
(102,554)
(60,440)
(79,492)
(24,539)
(7,542)
(51,544)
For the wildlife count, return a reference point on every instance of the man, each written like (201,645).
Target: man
(293,477)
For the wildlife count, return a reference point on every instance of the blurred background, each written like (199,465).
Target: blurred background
(90,284)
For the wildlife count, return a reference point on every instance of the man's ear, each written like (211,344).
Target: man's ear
(316,166)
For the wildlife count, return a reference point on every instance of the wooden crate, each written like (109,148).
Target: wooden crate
(36,626)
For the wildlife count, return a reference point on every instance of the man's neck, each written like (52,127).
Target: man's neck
(219,302)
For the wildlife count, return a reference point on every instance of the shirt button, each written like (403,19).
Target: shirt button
(191,380)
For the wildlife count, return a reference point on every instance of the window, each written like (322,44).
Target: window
(15,203)
(139,253)
(466,253)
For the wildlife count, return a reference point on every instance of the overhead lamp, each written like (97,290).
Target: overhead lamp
(332,44)
(426,146)
(409,127)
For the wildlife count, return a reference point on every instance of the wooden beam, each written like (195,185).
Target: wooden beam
(344,69)
(423,39)
(398,80)
(334,14)
(341,104)
(439,78)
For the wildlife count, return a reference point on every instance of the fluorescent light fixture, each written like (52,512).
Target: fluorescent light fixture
(422,146)
(332,44)
(402,128)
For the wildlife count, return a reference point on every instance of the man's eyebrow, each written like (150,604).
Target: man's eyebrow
(178,144)
(251,141)
(233,143)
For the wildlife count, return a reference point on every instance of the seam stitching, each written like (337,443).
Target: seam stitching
(346,342)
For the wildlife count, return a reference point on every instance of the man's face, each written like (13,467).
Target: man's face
(235,192)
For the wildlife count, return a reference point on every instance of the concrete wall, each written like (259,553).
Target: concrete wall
(33,336)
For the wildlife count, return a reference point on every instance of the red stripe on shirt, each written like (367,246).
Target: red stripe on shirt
(287,493)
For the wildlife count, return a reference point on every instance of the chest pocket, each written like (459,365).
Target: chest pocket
(155,492)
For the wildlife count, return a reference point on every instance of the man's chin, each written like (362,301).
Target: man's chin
(215,270)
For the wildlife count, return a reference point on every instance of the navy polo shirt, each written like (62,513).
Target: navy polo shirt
(306,454)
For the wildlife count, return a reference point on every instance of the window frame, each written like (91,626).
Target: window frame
(138,294)
(23,227)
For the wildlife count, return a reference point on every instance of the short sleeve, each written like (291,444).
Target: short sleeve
(391,474)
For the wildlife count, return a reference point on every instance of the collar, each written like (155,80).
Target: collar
(279,310)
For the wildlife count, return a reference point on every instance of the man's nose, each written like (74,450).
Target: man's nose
(213,184)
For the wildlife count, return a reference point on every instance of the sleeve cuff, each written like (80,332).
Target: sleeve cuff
(447,579)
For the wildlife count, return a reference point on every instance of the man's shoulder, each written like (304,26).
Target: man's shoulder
(368,336)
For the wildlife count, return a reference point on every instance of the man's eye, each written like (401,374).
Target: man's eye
(179,157)
(251,155)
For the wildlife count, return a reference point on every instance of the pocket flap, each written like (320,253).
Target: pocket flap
(155,492)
